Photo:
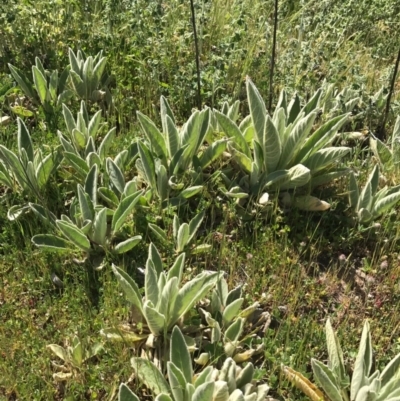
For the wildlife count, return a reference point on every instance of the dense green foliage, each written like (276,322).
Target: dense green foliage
(253,227)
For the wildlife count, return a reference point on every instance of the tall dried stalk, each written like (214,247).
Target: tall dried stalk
(196,44)
(272,67)
(381,131)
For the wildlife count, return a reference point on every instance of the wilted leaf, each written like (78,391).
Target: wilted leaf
(303,384)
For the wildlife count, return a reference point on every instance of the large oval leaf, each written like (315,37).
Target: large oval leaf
(182,237)
(100,227)
(24,140)
(179,354)
(326,380)
(295,140)
(150,375)
(116,176)
(271,145)
(324,157)
(41,85)
(127,245)
(153,135)
(363,363)
(51,242)
(125,394)
(123,210)
(147,164)
(129,287)
(154,319)
(44,170)
(74,234)
(233,132)
(258,111)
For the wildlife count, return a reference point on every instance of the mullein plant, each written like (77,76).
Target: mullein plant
(91,228)
(279,153)
(228,331)
(47,89)
(80,144)
(27,171)
(171,161)
(74,357)
(388,156)
(183,233)
(230,383)
(370,202)
(166,303)
(366,384)
(87,77)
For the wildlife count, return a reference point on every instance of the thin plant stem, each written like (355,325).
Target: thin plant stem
(382,134)
(196,44)
(271,74)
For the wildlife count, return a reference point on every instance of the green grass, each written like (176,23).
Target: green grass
(292,263)
(280,269)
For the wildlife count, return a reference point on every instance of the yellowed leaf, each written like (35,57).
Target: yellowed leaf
(303,384)
(61,376)
(244,356)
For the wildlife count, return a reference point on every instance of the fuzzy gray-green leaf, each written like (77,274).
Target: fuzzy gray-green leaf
(363,363)
(258,110)
(51,242)
(44,169)
(22,81)
(124,209)
(41,85)
(100,226)
(116,176)
(165,110)
(191,191)
(91,184)
(150,375)
(159,232)
(154,319)
(233,133)
(353,191)
(148,165)
(231,311)
(127,245)
(150,283)
(106,143)
(129,287)
(385,204)
(74,234)
(77,163)
(336,362)
(234,331)
(295,140)
(179,354)
(24,140)
(194,290)
(153,135)
(212,152)
(85,204)
(326,380)
(324,157)
(194,224)
(125,394)
(177,268)
(204,392)
(172,136)
(182,237)
(321,137)
(271,145)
